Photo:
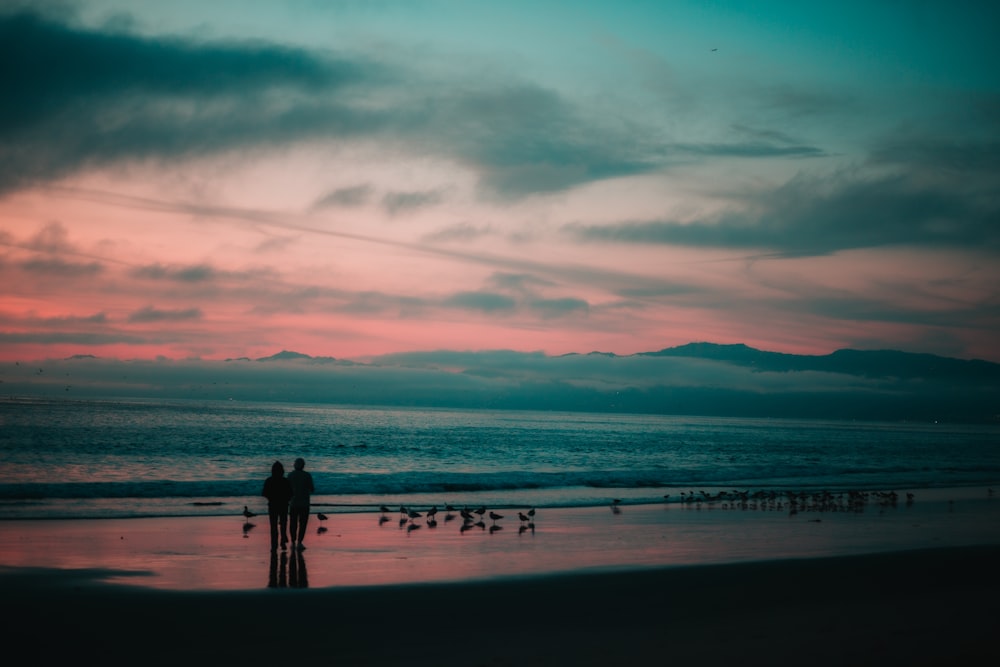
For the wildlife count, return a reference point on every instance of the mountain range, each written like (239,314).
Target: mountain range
(695,379)
(864,363)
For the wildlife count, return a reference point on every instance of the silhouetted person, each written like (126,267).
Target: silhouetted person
(278,491)
(298,508)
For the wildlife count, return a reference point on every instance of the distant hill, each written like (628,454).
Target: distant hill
(288,355)
(864,363)
(285,355)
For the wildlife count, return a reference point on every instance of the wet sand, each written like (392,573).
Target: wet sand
(647,585)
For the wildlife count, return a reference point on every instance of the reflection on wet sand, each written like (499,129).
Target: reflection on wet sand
(285,572)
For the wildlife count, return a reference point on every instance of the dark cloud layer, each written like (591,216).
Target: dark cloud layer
(76,98)
(813,216)
(151,314)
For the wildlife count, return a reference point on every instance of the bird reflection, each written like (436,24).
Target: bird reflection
(247,526)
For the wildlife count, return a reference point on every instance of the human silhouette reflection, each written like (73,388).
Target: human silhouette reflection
(278,574)
(297,577)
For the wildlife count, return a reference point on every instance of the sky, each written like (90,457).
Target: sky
(206,181)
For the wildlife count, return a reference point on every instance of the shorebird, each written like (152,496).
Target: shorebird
(523,517)
(495,517)
(531,514)
(413,514)
(481,510)
(247,513)
(384,509)
(431,513)
(616,505)
(321,516)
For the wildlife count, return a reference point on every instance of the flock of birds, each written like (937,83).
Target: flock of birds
(409,518)
(793,501)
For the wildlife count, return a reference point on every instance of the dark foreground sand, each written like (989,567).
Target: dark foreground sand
(927,607)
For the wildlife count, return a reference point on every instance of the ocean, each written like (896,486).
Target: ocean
(141,458)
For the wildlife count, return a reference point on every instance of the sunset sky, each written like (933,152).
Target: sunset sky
(208,180)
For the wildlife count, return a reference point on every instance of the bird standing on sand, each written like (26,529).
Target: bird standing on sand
(321,516)
(495,517)
(247,514)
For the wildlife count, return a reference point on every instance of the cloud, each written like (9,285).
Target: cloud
(344,197)
(83,338)
(151,314)
(53,322)
(198,273)
(459,232)
(396,203)
(60,267)
(76,97)
(52,238)
(79,98)
(550,308)
(809,216)
(484,301)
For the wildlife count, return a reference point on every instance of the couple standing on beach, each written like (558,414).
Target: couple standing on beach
(288,497)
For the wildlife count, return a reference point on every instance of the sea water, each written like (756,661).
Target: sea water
(131,458)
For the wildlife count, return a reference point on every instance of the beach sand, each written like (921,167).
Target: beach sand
(650,585)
